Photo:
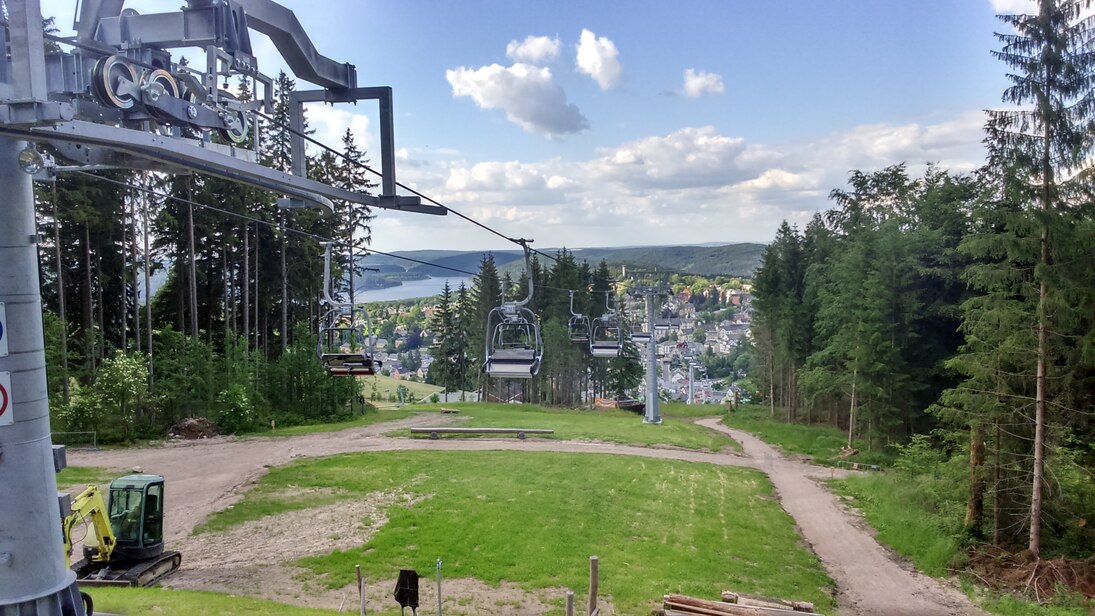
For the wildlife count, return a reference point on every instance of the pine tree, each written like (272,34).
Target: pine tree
(1047,144)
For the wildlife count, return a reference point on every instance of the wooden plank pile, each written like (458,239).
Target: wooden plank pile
(734,604)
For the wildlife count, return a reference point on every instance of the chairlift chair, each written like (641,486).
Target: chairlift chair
(346,342)
(578,326)
(639,335)
(606,339)
(514,346)
(514,350)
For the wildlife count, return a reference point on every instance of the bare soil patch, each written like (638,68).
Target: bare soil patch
(254,559)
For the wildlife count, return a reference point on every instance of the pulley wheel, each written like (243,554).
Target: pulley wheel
(160,78)
(107,78)
(237,126)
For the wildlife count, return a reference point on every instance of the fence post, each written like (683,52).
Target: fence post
(360,588)
(570,603)
(593,583)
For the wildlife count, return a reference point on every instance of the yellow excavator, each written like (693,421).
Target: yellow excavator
(124,541)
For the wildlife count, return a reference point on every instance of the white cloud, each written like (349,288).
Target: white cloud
(698,84)
(528,94)
(533,50)
(330,123)
(692,185)
(1014,6)
(599,58)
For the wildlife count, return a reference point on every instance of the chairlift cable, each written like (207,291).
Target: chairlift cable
(259,220)
(324,146)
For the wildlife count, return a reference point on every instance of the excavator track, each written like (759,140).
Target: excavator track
(146,573)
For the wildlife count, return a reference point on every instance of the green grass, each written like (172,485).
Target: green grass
(165,602)
(680,409)
(387,385)
(534,519)
(920,517)
(370,418)
(924,529)
(819,442)
(1007,605)
(609,425)
(84,475)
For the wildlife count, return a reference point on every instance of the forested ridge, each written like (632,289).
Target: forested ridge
(956,311)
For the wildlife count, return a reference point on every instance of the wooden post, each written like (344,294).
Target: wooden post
(593,583)
(570,603)
(360,588)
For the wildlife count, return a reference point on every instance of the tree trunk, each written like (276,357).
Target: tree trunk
(851,409)
(101,338)
(89,307)
(284,291)
(147,293)
(246,287)
(193,276)
(1035,543)
(998,494)
(61,294)
(125,304)
(975,505)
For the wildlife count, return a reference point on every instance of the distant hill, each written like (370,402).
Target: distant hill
(724,260)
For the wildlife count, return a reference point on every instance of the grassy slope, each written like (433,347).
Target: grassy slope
(84,475)
(166,602)
(387,385)
(918,517)
(370,418)
(612,426)
(819,442)
(534,518)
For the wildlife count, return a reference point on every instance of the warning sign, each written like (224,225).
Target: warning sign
(7,417)
(3,331)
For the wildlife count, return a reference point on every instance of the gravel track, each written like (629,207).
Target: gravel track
(208,475)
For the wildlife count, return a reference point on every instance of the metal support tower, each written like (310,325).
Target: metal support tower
(57,107)
(691,382)
(33,577)
(652,415)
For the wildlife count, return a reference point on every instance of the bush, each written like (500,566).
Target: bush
(237,413)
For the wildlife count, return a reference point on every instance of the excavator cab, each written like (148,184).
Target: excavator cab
(136,516)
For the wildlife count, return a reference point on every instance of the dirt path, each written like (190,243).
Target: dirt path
(869,580)
(208,476)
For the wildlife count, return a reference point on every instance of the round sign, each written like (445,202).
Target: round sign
(3,400)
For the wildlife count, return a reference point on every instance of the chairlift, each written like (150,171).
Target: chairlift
(578,326)
(639,335)
(606,339)
(346,342)
(514,346)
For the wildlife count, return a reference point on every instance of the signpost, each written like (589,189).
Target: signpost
(3,331)
(7,417)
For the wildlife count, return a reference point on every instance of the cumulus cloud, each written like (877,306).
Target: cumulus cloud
(330,123)
(528,95)
(695,184)
(534,50)
(698,84)
(1014,6)
(599,58)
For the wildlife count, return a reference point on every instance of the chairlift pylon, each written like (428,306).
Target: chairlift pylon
(514,348)
(606,339)
(346,343)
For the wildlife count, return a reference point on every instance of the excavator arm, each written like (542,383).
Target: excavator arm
(89,506)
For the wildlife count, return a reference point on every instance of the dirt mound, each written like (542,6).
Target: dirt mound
(193,428)
(1039,579)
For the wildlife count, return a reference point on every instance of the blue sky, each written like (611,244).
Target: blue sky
(625,123)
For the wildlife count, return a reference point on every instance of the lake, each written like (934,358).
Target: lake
(412,289)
